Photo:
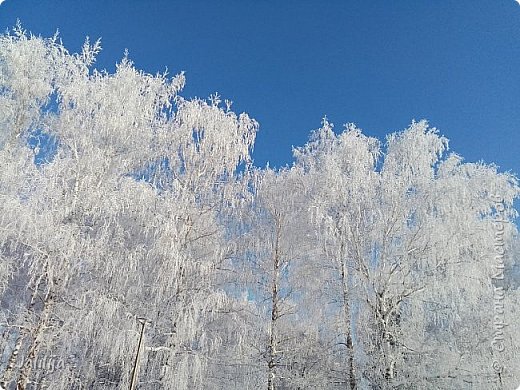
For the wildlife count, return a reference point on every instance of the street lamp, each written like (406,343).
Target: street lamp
(142,321)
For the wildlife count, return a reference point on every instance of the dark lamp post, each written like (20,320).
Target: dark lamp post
(142,321)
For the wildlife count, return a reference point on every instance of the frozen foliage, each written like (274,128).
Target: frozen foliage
(365,265)
(122,223)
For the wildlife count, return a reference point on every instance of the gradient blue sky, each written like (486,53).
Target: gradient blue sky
(378,64)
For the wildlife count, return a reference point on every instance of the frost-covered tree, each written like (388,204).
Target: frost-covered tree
(275,247)
(121,222)
(289,337)
(342,167)
(411,235)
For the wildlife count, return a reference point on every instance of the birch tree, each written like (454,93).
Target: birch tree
(398,250)
(279,245)
(125,223)
(343,168)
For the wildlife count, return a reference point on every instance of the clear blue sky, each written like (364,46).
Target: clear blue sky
(378,64)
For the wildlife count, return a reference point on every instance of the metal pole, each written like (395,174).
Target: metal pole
(142,321)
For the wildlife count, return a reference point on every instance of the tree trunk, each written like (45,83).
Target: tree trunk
(48,300)
(275,314)
(347,321)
